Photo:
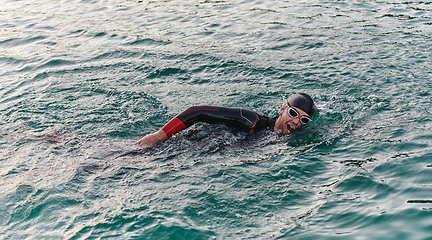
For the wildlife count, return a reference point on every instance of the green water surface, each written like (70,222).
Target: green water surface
(81,81)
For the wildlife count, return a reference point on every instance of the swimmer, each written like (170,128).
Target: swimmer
(297,111)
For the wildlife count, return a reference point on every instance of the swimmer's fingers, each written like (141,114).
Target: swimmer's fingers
(152,139)
(145,142)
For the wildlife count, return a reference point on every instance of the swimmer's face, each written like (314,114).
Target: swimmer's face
(286,124)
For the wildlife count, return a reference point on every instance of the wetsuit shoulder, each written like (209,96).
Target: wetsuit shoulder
(265,123)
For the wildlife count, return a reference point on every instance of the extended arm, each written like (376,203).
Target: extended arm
(239,117)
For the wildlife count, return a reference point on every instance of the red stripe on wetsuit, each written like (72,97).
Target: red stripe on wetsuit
(174,126)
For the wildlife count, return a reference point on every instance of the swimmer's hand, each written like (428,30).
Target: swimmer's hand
(153,139)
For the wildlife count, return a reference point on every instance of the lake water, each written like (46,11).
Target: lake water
(81,81)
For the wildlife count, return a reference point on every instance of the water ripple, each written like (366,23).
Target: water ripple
(80,81)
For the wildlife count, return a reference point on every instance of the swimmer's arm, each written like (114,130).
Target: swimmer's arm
(192,115)
(153,139)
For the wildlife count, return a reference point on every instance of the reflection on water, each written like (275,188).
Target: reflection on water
(81,81)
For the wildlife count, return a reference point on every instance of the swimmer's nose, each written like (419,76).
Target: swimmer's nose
(296,121)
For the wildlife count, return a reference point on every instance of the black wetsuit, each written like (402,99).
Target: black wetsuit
(246,120)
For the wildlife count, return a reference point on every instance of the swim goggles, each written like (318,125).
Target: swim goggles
(294,114)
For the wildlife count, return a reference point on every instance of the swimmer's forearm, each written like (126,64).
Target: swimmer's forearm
(153,139)
(172,127)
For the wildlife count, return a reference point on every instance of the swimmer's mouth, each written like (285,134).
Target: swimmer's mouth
(289,129)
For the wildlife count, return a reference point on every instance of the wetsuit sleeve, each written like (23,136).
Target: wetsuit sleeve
(238,117)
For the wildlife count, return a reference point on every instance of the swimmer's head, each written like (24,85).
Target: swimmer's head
(300,111)
(303,102)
